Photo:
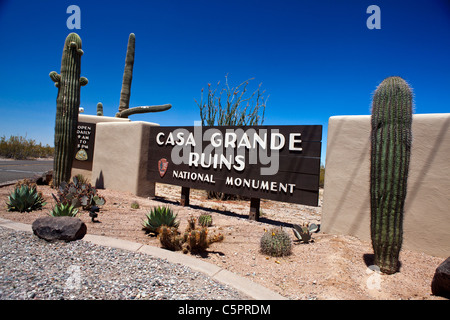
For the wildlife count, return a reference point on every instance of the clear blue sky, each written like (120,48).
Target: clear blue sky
(315,59)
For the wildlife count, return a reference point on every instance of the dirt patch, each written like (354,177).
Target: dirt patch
(332,267)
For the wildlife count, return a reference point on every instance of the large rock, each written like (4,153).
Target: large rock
(59,228)
(440,286)
(42,179)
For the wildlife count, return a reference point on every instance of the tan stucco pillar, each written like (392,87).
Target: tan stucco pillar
(346,203)
(121,156)
(85,167)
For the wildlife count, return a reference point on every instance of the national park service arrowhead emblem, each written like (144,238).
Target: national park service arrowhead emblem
(162,166)
(81,155)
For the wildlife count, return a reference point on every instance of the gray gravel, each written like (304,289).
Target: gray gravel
(31,268)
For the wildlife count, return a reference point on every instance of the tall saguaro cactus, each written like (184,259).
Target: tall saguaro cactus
(67,106)
(390,153)
(124,105)
(127,74)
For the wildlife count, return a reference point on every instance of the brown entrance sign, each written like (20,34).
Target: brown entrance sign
(85,142)
(279,163)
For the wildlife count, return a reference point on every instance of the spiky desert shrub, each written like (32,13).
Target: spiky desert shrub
(225,106)
(231,106)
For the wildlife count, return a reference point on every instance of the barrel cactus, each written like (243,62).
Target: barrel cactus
(390,153)
(68,83)
(276,243)
(124,106)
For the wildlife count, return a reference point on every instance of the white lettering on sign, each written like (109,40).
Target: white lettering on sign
(193,176)
(83,136)
(233,140)
(273,186)
(213,156)
(217,161)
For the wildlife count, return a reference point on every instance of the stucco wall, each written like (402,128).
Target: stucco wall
(346,203)
(121,156)
(85,167)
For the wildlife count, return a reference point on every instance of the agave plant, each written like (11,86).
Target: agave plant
(25,198)
(303,233)
(160,216)
(62,209)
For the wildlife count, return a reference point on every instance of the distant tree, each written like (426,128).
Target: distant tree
(19,148)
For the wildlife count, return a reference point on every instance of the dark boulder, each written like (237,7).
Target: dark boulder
(440,286)
(59,228)
(42,179)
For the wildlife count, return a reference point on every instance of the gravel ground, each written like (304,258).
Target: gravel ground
(31,268)
(332,267)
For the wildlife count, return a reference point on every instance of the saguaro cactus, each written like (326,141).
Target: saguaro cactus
(100,109)
(127,74)
(390,153)
(67,104)
(124,105)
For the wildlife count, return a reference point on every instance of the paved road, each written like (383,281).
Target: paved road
(19,169)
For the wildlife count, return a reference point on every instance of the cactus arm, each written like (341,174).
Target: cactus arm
(124,105)
(83,81)
(127,75)
(144,109)
(77,47)
(55,76)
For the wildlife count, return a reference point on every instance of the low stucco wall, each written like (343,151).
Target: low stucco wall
(121,157)
(346,202)
(85,167)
